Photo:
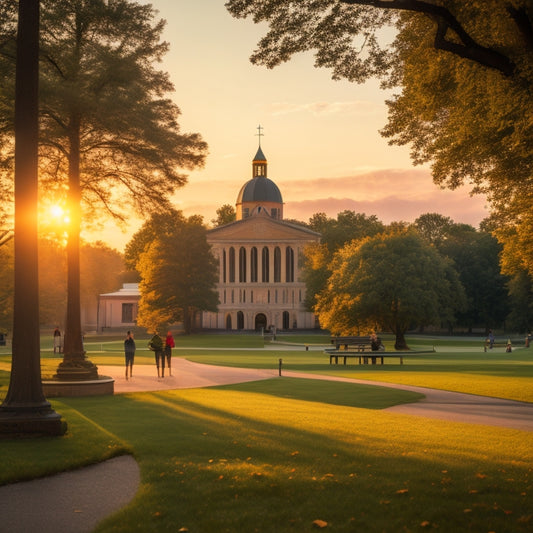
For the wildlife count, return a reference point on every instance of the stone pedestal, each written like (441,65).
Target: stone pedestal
(95,387)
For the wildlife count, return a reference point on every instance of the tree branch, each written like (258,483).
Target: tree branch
(521,19)
(467,48)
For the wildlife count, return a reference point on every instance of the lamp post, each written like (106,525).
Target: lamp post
(25,410)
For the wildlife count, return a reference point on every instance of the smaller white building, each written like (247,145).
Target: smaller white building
(119,309)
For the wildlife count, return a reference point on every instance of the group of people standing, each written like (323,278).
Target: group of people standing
(162,351)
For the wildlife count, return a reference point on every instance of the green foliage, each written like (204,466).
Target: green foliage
(392,282)
(104,105)
(433,227)
(521,295)
(335,233)
(159,223)
(225,215)
(475,256)
(179,273)
(465,72)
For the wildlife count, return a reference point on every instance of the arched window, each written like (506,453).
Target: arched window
(232,265)
(253,265)
(240,320)
(286,318)
(265,263)
(228,321)
(224,265)
(242,265)
(289,265)
(277,264)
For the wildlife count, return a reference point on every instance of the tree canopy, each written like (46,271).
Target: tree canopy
(109,134)
(178,274)
(465,73)
(225,215)
(394,281)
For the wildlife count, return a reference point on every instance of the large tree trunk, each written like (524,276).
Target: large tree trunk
(400,343)
(75,366)
(25,410)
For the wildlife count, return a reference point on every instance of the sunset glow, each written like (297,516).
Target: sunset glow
(321,137)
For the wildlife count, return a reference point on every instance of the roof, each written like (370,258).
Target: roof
(235,228)
(260,156)
(259,189)
(128,289)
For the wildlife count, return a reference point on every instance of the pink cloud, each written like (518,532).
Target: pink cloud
(390,194)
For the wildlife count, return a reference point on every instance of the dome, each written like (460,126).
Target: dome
(259,190)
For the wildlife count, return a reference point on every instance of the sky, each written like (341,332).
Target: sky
(321,137)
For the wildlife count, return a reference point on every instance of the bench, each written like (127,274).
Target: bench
(364,358)
(360,343)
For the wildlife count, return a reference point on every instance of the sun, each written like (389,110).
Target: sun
(57,211)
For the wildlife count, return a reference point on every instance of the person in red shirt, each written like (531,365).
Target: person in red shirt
(169,344)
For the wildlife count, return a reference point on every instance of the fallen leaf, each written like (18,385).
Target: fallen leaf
(402,491)
(320,524)
(425,523)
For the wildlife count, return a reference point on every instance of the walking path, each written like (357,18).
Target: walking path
(75,502)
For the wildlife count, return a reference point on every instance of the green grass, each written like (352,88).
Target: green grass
(276,455)
(267,457)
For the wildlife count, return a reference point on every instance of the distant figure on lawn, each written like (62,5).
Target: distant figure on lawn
(169,344)
(491,339)
(129,352)
(156,345)
(57,341)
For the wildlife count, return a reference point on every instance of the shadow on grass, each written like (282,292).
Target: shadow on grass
(338,393)
(224,460)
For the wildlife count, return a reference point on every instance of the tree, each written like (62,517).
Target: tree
(109,137)
(433,227)
(348,226)
(521,298)
(25,410)
(335,233)
(394,281)
(225,215)
(475,256)
(157,224)
(465,70)
(178,276)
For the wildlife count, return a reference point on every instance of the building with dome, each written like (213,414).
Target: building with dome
(260,258)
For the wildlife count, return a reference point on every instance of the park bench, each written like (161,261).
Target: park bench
(363,357)
(360,344)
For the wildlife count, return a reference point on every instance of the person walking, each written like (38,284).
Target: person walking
(129,352)
(156,345)
(169,344)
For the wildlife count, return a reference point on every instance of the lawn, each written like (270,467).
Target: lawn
(277,455)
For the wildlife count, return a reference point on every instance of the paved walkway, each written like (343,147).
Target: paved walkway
(75,502)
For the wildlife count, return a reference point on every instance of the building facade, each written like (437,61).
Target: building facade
(118,309)
(260,259)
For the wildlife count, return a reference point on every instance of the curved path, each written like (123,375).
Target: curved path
(75,502)
(438,404)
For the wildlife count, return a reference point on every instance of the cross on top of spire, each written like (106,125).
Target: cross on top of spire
(259,128)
